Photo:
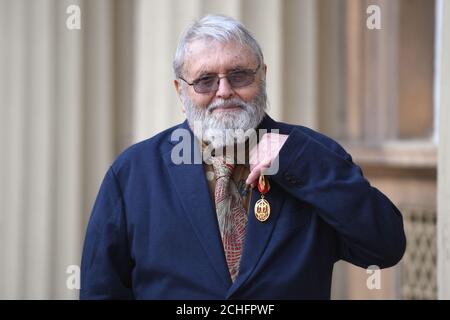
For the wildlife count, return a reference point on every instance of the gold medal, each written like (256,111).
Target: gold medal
(262,209)
(262,206)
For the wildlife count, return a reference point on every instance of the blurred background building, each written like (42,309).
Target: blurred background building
(72,100)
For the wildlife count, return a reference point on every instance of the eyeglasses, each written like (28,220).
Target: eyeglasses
(210,82)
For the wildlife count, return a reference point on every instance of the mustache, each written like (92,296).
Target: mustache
(234,102)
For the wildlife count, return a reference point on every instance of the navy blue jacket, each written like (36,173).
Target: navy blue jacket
(153,231)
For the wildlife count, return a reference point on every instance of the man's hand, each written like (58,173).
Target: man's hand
(262,155)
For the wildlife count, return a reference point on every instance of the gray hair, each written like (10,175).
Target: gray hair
(219,28)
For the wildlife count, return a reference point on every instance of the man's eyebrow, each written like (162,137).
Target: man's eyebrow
(203,71)
(238,67)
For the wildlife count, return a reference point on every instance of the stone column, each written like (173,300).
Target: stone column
(443,96)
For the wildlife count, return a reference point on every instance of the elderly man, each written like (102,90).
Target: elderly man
(221,228)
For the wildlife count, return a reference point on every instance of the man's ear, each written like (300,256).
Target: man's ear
(177,85)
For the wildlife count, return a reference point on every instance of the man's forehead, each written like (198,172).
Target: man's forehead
(210,56)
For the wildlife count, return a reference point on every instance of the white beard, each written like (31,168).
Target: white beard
(225,128)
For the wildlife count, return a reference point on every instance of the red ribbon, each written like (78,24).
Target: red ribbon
(263,184)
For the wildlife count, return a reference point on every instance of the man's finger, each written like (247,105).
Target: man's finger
(252,177)
(256,172)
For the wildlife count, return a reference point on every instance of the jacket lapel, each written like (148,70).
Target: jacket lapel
(192,188)
(258,235)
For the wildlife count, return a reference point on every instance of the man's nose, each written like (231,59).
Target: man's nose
(224,91)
